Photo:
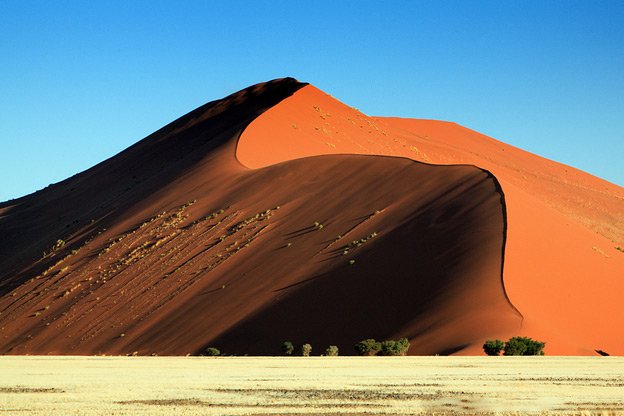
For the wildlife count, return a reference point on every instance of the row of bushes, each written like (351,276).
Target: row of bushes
(370,347)
(387,347)
(365,347)
(288,348)
(515,346)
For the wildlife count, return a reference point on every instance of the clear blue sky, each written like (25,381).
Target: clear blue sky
(82,80)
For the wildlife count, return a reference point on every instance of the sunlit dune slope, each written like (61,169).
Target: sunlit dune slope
(174,245)
(561,268)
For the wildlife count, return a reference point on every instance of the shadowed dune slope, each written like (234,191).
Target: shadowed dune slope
(562,268)
(173,245)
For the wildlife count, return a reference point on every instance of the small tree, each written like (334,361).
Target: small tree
(306,350)
(368,347)
(524,346)
(331,351)
(212,352)
(402,345)
(287,347)
(515,346)
(391,347)
(388,347)
(493,346)
(534,347)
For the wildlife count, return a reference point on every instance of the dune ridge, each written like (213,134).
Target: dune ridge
(562,267)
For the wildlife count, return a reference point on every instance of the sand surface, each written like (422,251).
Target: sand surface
(318,385)
(174,245)
(562,269)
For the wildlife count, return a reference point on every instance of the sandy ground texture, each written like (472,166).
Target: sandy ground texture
(317,385)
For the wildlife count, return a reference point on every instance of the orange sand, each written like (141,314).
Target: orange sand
(562,270)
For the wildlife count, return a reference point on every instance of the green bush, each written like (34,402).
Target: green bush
(212,352)
(306,350)
(534,347)
(515,347)
(523,346)
(331,351)
(391,347)
(287,347)
(368,347)
(493,346)
(403,345)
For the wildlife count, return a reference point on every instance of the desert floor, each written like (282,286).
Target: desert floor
(45,385)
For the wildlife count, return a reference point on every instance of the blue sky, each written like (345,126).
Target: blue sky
(80,81)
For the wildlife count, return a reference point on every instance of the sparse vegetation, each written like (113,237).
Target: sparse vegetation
(523,346)
(287,348)
(391,347)
(358,243)
(514,346)
(212,352)
(331,351)
(56,246)
(388,347)
(306,350)
(21,389)
(619,248)
(368,347)
(493,346)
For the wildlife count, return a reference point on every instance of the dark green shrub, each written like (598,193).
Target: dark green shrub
(368,347)
(403,345)
(523,346)
(514,346)
(391,347)
(493,346)
(331,351)
(387,347)
(287,347)
(306,350)
(534,347)
(212,352)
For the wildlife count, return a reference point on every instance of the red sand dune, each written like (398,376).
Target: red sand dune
(562,269)
(196,237)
